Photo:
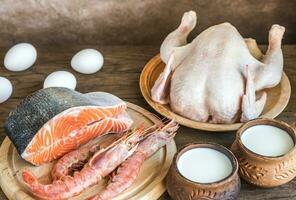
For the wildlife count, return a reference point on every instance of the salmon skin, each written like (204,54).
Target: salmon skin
(54,121)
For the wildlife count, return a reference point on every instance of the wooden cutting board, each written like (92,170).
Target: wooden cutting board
(149,184)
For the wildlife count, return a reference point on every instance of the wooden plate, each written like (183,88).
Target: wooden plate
(277,99)
(149,184)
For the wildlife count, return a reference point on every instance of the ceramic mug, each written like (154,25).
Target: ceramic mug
(181,188)
(265,171)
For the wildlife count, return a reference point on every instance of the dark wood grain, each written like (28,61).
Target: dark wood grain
(120,76)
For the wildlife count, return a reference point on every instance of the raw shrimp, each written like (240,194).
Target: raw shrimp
(100,165)
(129,169)
(76,159)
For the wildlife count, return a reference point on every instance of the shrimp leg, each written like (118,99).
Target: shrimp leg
(128,171)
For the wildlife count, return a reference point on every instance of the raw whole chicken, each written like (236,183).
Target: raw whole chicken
(215,77)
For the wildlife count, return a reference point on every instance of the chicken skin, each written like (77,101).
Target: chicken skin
(215,77)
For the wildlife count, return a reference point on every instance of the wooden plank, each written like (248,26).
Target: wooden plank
(120,75)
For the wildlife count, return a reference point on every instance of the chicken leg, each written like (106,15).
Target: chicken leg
(172,52)
(268,73)
(251,108)
(176,41)
(160,90)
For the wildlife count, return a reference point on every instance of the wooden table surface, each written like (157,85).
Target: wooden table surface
(120,76)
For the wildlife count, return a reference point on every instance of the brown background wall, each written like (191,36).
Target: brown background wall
(135,21)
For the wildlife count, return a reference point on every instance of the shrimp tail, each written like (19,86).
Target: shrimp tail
(37,189)
(29,178)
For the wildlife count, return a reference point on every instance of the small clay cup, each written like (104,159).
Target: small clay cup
(181,188)
(265,171)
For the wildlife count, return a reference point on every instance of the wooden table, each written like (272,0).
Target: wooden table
(120,76)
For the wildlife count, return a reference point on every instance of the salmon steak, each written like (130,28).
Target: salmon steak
(54,121)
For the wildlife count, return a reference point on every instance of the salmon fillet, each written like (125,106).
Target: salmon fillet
(72,128)
(53,121)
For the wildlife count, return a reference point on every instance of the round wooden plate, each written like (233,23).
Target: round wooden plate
(277,99)
(149,184)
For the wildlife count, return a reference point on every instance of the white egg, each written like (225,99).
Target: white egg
(5,89)
(20,57)
(60,79)
(87,61)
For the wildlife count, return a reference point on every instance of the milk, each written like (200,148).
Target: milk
(267,140)
(204,165)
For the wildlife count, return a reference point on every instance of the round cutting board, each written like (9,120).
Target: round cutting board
(148,185)
(277,99)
